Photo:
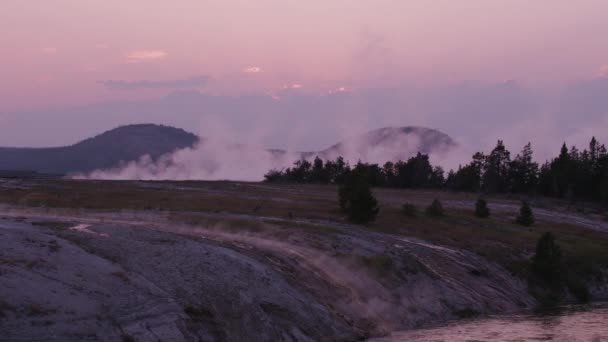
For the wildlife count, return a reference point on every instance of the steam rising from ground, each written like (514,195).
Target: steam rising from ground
(217,159)
(476,115)
(209,160)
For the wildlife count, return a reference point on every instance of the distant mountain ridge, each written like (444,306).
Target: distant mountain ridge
(106,150)
(390,143)
(129,143)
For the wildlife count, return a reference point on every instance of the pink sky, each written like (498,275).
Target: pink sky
(55,53)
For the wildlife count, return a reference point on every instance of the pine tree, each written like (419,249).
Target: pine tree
(481,208)
(357,201)
(496,169)
(523,171)
(435,209)
(546,263)
(593,151)
(318,172)
(526,217)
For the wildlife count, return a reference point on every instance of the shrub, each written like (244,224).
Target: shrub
(526,217)
(409,210)
(357,201)
(481,208)
(435,209)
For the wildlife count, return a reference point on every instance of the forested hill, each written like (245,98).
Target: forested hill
(107,150)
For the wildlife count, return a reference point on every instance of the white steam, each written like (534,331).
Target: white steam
(217,159)
(206,161)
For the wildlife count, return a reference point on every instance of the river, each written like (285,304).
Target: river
(565,324)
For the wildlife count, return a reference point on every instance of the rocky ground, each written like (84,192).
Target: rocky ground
(70,274)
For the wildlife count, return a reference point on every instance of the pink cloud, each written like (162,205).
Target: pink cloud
(138,56)
(293,86)
(603,72)
(253,70)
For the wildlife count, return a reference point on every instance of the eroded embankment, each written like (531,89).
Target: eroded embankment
(107,275)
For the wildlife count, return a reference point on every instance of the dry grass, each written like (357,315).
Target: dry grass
(282,206)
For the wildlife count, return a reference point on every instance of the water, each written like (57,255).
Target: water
(566,324)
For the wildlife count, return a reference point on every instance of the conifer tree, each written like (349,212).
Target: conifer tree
(496,169)
(526,217)
(357,201)
(481,208)
(546,263)
(435,209)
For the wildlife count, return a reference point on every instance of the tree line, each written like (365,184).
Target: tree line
(573,174)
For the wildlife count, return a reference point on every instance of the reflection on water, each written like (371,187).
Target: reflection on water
(567,324)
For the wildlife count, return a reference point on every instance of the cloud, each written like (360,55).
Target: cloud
(138,56)
(338,90)
(253,70)
(603,72)
(102,46)
(193,82)
(293,86)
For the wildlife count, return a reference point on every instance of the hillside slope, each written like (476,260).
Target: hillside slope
(109,149)
(124,144)
(389,143)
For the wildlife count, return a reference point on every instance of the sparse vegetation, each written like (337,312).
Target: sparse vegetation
(435,209)
(501,240)
(481,208)
(525,217)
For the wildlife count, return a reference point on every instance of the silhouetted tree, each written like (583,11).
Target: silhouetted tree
(390,176)
(300,172)
(435,209)
(337,170)
(573,174)
(274,175)
(523,171)
(356,199)
(525,217)
(496,169)
(318,173)
(547,260)
(481,208)
(467,178)
(562,172)
(437,179)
